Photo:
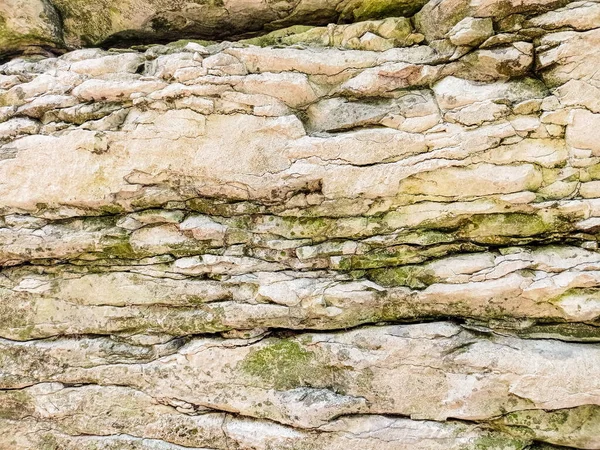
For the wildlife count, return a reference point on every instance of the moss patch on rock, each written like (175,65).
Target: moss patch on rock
(285,364)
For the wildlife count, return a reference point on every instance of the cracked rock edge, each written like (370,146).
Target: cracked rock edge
(375,234)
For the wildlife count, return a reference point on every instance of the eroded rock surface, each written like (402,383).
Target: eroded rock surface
(60,24)
(378,234)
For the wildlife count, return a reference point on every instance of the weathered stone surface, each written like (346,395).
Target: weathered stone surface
(375,234)
(58,23)
(95,23)
(306,382)
(373,35)
(471,31)
(482,285)
(28,26)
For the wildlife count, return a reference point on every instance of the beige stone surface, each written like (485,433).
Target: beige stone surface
(28,26)
(379,234)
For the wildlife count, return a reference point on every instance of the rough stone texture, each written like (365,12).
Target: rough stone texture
(375,235)
(28,26)
(59,24)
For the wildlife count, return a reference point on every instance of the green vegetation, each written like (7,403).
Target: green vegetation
(285,364)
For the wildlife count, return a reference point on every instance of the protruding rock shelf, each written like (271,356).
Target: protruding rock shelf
(360,225)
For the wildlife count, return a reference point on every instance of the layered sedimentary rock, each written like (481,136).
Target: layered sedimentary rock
(62,24)
(369,235)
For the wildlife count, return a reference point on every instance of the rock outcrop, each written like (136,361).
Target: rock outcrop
(379,234)
(61,24)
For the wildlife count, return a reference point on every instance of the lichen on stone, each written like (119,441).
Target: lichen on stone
(299,225)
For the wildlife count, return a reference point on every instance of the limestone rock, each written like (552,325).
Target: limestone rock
(471,31)
(111,20)
(372,35)
(28,26)
(378,233)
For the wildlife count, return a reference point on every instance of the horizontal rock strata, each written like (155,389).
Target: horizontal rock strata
(375,234)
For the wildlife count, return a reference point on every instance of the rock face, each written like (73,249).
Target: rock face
(379,234)
(63,24)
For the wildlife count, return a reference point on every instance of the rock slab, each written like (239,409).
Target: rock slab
(375,234)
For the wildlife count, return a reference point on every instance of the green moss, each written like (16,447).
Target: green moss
(378,9)
(404,311)
(49,442)
(400,255)
(91,22)
(285,364)
(110,209)
(208,319)
(26,332)
(278,37)
(415,277)
(15,40)
(579,423)
(308,227)
(120,249)
(391,256)
(594,172)
(281,364)
(591,294)
(499,228)
(528,88)
(357,274)
(577,332)
(510,224)
(394,31)
(80,114)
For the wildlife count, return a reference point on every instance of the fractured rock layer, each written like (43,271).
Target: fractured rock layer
(374,235)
